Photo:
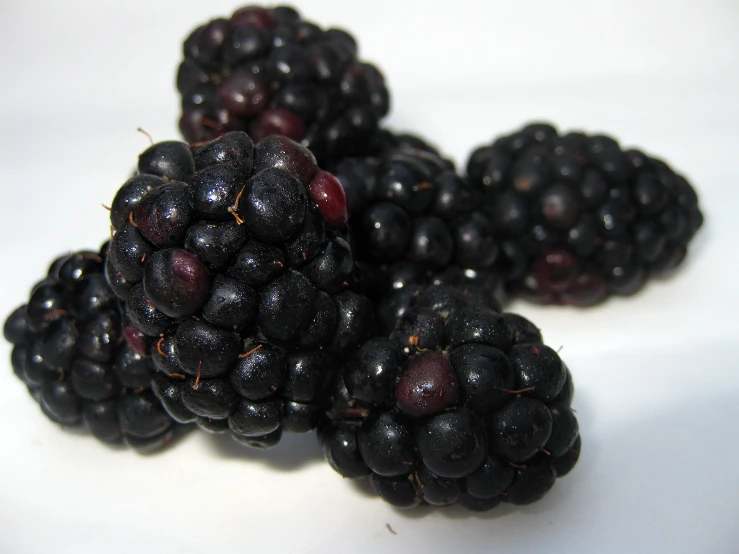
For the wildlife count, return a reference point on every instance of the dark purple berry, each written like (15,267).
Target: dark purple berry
(319,330)
(453,444)
(419,329)
(101,419)
(431,244)
(141,416)
(306,375)
(300,417)
(129,196)
(564,430)
(251,418)
(47,304)
(307,243)
(260,374)
(60,403)
(538,368)
(285,304)
(118,284)
(490,479)
(385,231)
(215,189)
(341,449)
(242,93)
(129,251)
(261,442)
(331,268)
(213,426)
(273,205)
(531,483)
(79,266)
(91,295)
(435,490)
(475,504)
(163,215)
(520,429)
(386,445)
(99,337)
(131,369)
(169,393)
(232,304)
(473,324)
(58,344)
(163,356)
(398,491)
(355,320)
(474,241)
(176,282)
(521,330)
(427,385)
(17,325)
(216,244)
(567,393)
(209,398)
(277,121)
(326,192)
(93,381)
(485,376)
(279,152)
(257,263)
(370,375)
(235,148)
(137,340)
(170,159)
(564,463)
(205,351)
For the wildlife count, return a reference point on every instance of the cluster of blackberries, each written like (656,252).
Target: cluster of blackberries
(267,71)
(460,403)
(247,291)
(414,222)
(229,256)
(69,349)
(578,217)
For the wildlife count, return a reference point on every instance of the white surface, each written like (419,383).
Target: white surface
(656,376)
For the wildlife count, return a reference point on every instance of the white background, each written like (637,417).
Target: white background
(657,375)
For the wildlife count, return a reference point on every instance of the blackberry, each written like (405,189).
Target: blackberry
(414,221)
(459,404)
(238,272)
(268,71)
(69,350)
(578,217)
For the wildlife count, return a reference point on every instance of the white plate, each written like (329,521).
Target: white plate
(656,376)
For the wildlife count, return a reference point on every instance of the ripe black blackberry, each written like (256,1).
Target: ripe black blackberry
(268,71)
(229,257)
(413,222)
(69,351)
(459,404)
(580,218)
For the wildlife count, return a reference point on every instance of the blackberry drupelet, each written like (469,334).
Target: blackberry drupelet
(413,222)
(459,404)
(579,218)
(385,142)
(268,71)
(69,349)
(230,258)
